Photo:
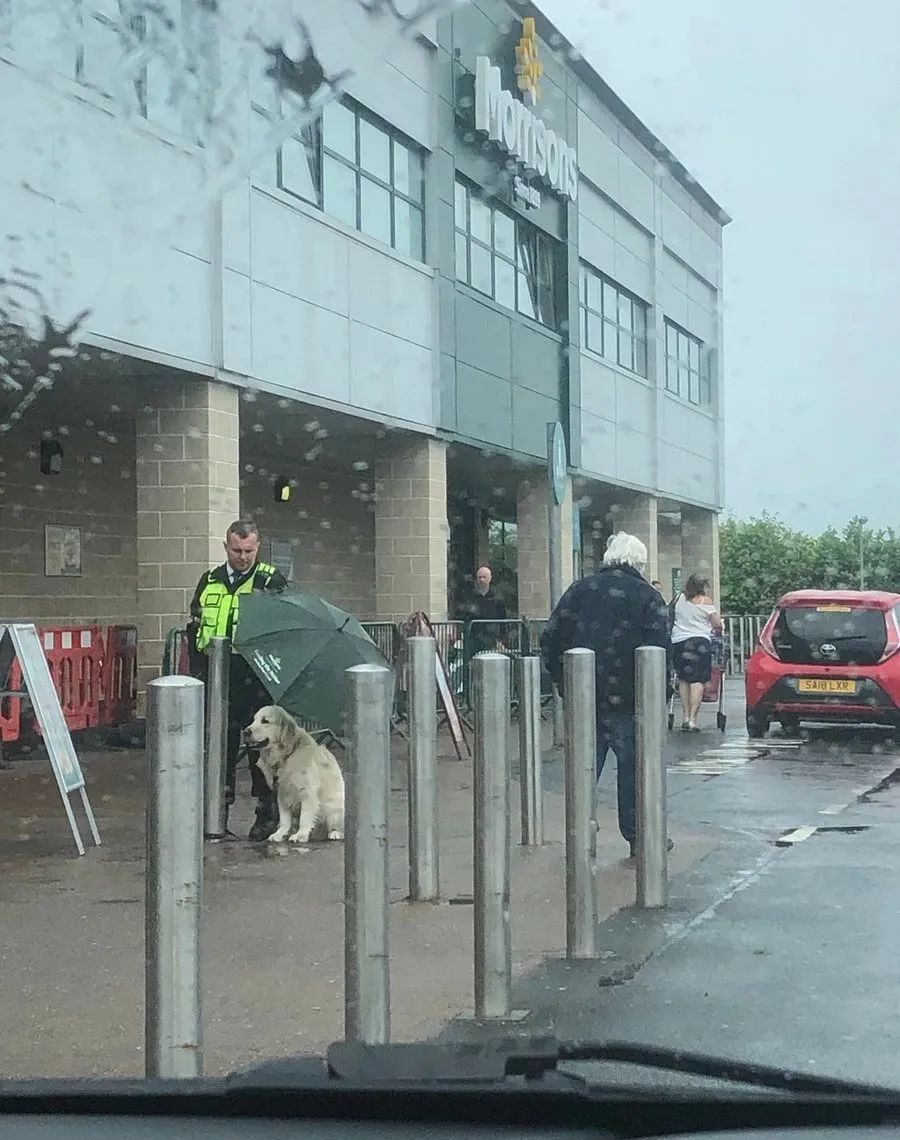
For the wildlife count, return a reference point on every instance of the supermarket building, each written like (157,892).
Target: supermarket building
(384,316)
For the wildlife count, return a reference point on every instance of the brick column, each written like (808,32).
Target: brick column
(670,555)
(187,495)
(482,537)
(533,545)
(411,531)
(635,513)
(700,543)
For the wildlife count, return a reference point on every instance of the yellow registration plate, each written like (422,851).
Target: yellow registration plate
(825,685)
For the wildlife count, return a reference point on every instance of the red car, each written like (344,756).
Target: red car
(826,655)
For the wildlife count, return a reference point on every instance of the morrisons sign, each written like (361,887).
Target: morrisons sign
(517,130)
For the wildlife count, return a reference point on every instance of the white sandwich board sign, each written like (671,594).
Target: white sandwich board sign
(26,646)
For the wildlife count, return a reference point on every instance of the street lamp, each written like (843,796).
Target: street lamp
(862,569)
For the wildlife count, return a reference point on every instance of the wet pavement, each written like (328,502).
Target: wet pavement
(777,944)
(71,961)
(780,947)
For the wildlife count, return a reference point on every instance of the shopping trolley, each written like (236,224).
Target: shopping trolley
(713,690)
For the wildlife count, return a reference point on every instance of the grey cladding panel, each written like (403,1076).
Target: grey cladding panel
(447,303)
(535,361)
(482,336)
(448,417)
(484,406)
(474,34)
(531,414)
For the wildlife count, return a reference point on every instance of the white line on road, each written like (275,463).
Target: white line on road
(764,742)
(796,836)
(836,809)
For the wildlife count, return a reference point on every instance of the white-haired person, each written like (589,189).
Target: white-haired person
(612,611)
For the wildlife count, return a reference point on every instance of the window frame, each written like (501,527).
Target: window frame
(312,137)
(84,16)
(530,283)
(688,366)
(610,325)
(395,139)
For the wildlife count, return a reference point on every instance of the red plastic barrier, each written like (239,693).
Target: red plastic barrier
(11,707)
(120,675)
(75,657)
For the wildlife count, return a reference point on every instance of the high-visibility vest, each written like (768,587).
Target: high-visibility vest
(219,605)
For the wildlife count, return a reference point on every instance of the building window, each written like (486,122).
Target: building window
(352,166)
(92,41)
(687,366)
(613,321)
(504,257)
(372,179)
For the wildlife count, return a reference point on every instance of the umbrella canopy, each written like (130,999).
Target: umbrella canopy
(299,646)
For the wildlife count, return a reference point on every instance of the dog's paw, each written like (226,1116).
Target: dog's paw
(278,836)
(299,837)
(335,835)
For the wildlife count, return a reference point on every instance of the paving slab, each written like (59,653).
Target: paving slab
(71,959)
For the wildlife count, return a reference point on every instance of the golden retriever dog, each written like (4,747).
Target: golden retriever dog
(308,781)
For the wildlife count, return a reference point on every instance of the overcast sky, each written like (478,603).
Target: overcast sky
(787,113)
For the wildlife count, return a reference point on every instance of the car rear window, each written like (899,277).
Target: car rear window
(830,634)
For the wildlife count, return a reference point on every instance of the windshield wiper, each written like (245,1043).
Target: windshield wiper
(535,1058)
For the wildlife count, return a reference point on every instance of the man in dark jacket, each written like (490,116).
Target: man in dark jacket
(482,605)
(613,612)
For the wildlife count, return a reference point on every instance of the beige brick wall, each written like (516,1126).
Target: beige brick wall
(636,514)
(332,532)
(533,546)
(700,542)
(95,491)
(187,495)
(411,531)
(670,554)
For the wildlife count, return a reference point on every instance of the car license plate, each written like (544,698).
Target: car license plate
(825,685)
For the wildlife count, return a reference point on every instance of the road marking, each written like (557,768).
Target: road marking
(717,761)
(836,809)
(763,742)
(795,836)
(734,754)
(710,767)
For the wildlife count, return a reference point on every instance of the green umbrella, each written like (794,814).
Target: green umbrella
(299,646)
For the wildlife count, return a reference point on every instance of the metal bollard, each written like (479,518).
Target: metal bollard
(530,766)
(367,999)
(424,879)
(214,806)
(652,838)
(554,551)
(173,1041)
(580,696)
(491,831)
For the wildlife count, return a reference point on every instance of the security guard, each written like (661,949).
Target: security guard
(214,609)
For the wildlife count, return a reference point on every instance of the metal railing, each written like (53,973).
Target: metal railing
(386,635)
(508,637)
(457,642)
(741,635)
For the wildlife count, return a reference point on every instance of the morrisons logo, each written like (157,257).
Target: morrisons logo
(514,127)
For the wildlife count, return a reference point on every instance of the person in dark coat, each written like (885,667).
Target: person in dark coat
(612,612)
(482,605)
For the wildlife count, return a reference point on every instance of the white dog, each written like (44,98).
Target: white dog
(310,784)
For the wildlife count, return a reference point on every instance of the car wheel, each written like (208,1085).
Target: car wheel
(757,724)
(790,725)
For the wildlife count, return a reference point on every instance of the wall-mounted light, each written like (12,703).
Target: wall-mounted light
(282,489)
(51,457)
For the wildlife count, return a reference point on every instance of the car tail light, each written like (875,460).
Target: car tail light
(893,636)
(765,638)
